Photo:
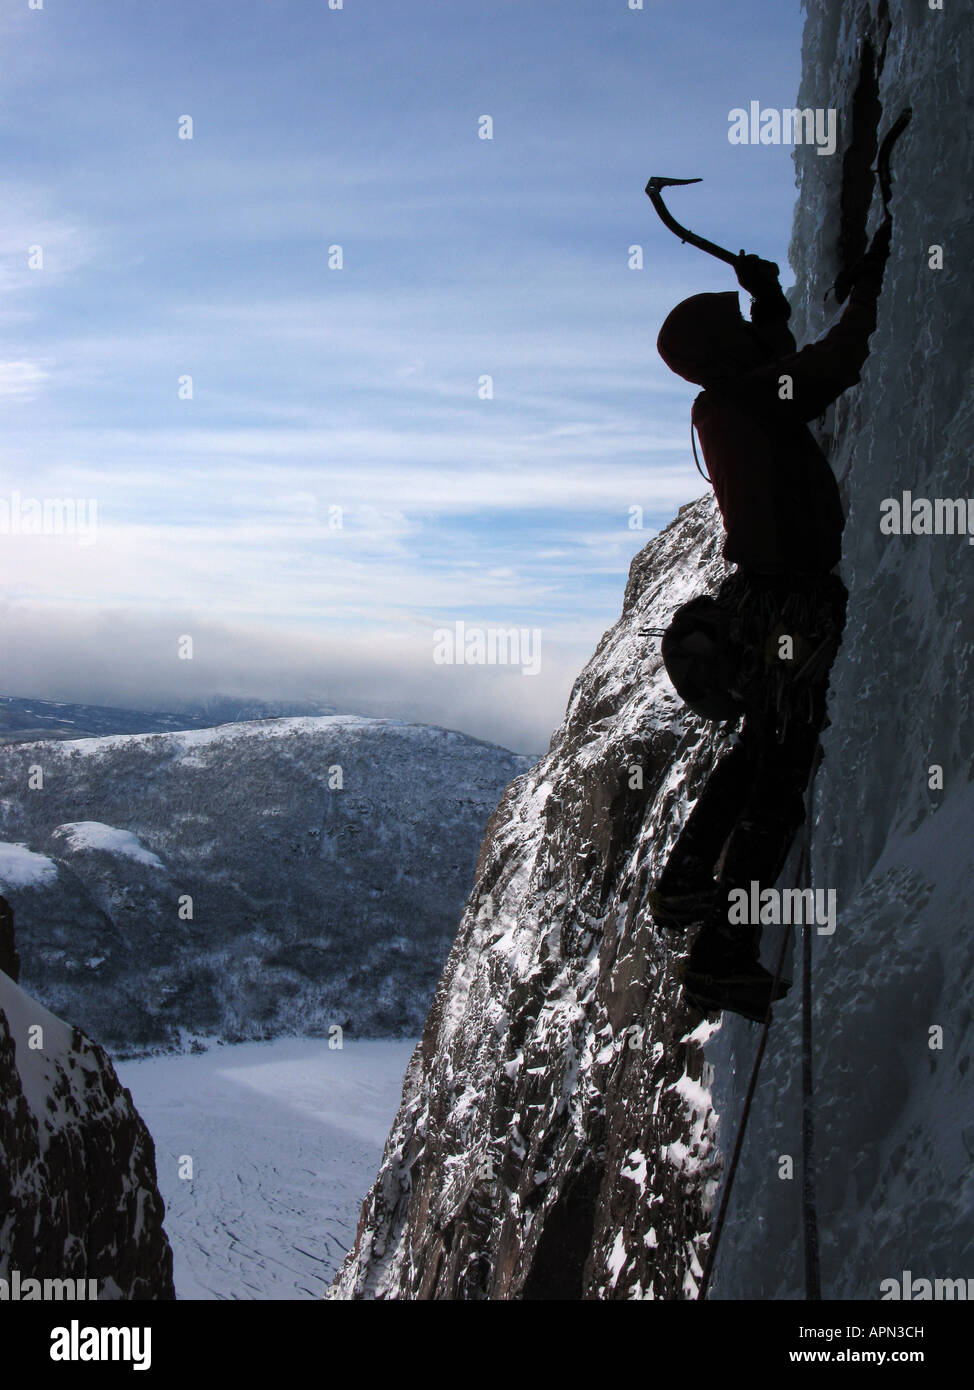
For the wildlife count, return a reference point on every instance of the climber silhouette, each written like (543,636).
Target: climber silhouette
(783,521)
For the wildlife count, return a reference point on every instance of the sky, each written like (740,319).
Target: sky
(466,422)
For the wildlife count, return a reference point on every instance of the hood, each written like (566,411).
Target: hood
(693,334)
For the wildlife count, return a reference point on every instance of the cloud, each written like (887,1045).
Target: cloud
(131,660)
(23,378)
(32,221)
(355,388)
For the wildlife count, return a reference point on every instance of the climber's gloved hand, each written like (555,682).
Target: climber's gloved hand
(756,276)
(768,303)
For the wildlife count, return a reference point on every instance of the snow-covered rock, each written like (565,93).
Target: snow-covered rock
(555,1138)
(20,867)
(92,834)
(560,1128)
(279,876)
(78,1194)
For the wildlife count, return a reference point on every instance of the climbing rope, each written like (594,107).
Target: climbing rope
(742,1127)
(813,1289)
(813,1273)
(693,445)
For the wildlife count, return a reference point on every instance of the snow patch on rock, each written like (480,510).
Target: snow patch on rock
(95,835)
(20,867)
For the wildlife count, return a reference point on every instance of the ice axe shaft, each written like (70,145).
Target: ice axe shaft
(666,217)
(846,277)
(885,150)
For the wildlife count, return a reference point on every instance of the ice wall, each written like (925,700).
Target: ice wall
(895,1120)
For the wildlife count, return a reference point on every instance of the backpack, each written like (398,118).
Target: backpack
(722,653)
(703,656)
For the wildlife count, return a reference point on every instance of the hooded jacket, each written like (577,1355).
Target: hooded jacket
(777,494)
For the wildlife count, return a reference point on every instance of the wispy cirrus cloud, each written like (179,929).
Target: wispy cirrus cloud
(23,378)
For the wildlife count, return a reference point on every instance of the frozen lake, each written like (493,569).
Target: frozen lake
(285,1139)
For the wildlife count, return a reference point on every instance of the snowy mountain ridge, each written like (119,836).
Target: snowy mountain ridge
(281,876)
(25,720)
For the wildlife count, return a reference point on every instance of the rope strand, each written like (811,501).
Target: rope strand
(739,1144)
(813,1272)
(813,1285)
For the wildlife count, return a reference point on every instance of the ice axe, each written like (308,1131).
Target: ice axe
(847,277)
(666,217)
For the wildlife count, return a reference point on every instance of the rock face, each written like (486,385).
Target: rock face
(282,876)
(559,1125)
(78,1194)
(556,1138)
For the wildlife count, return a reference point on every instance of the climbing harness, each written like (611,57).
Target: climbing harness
(723,652)
(808,611)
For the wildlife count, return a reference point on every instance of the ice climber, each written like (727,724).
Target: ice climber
(783,519)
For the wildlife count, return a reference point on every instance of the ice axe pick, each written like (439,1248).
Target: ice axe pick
(656,198)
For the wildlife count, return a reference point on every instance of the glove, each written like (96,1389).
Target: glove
(756,276)
(760,279)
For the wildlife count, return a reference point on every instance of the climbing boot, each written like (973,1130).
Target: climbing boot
(746,990)
(723,972)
